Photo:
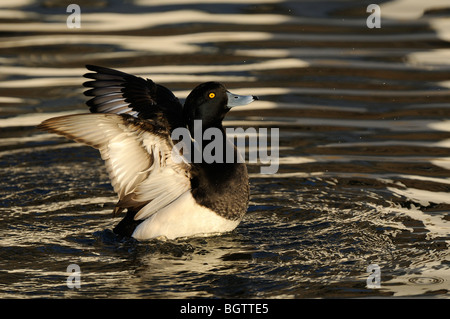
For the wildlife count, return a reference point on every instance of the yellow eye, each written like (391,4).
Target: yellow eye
(212,95)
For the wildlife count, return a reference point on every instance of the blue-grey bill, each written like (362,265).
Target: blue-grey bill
(238,100)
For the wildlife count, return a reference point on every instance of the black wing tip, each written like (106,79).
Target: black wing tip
(92,76)
(92,67)
(89,84)
(98,70)
(105,70)
(91,103)
(88,92)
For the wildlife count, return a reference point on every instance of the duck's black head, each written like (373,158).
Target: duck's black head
(210,102)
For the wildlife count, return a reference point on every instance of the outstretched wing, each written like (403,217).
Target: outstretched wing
(138,157)
(121,93)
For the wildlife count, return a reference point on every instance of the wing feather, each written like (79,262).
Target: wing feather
(137,154)
(122,93)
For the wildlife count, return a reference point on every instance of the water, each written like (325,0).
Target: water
(364,164)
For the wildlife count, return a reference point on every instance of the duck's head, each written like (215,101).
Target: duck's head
(210,102)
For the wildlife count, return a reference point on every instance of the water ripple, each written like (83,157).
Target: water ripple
(364,137)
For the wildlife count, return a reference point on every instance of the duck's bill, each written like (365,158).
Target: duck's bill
(238,100)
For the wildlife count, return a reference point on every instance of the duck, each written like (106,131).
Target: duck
(131,122)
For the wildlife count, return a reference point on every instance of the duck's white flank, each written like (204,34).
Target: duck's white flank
(183,218)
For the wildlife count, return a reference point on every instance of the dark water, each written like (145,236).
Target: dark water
(364,163)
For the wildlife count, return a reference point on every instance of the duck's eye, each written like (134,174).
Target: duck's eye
(212,95)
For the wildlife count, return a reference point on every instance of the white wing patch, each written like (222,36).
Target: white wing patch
(139,162)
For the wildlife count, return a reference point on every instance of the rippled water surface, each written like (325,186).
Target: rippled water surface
(364,164)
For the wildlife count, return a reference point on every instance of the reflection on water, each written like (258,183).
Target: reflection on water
(364,148)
